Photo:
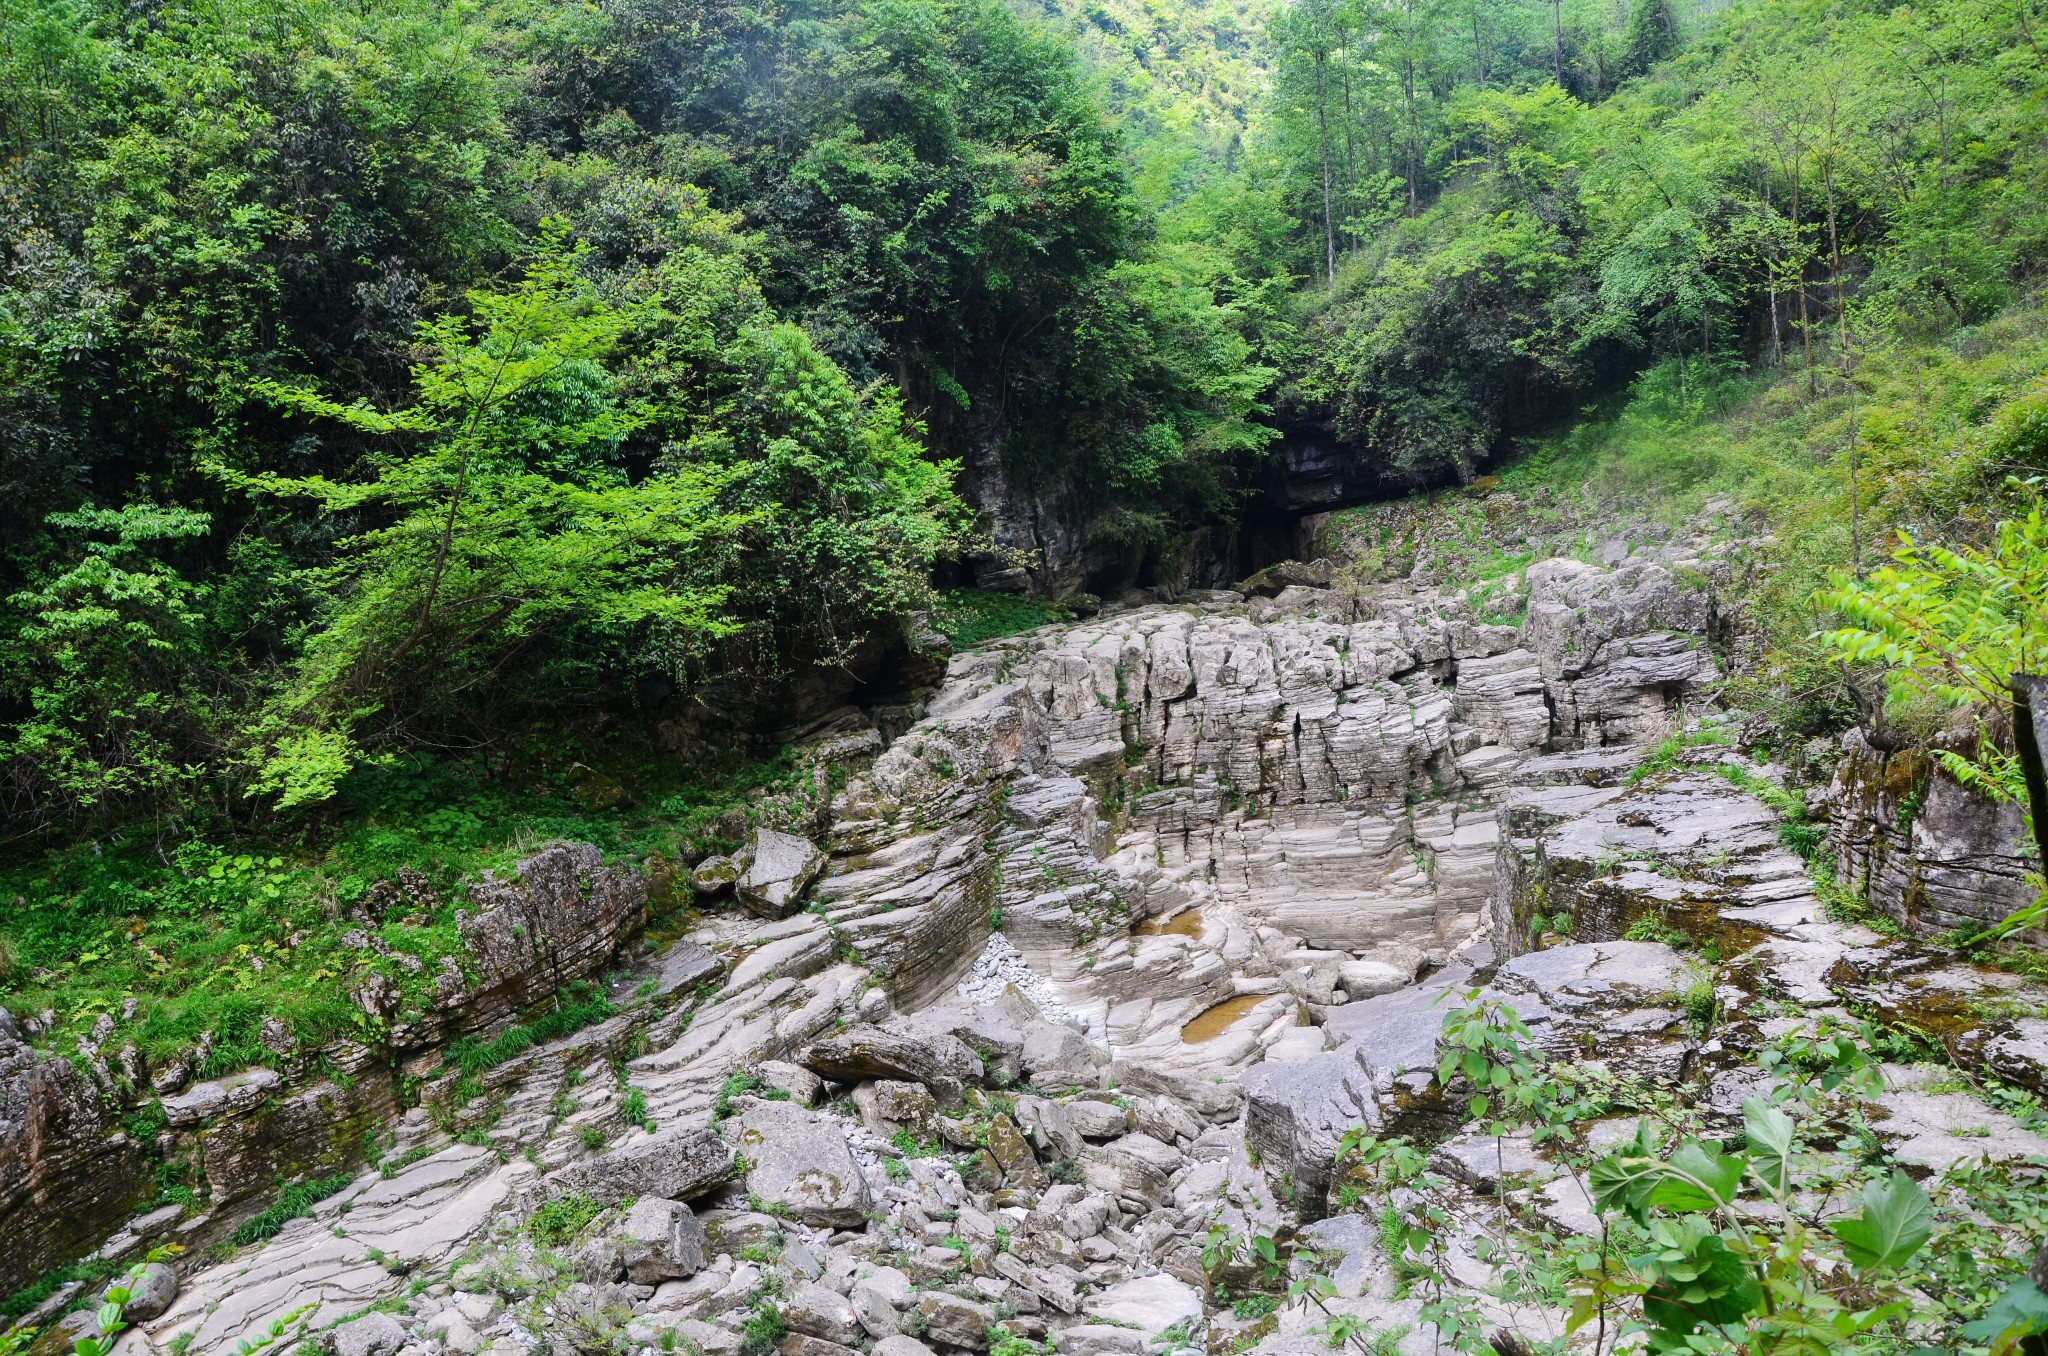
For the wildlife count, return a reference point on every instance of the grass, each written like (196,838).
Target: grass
(968,617)
(575,1008)
(557,1223)
(1668,752)
(89,1271)
(296,1202)
(213,927)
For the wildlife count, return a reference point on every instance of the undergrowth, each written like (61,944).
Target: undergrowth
(295,1202)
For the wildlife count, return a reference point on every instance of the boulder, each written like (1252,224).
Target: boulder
(373,1334)
(675,1166)
(889,1105)
(941,1062)
(1058,1057)
(661,1241)
(149,1294)
(1050,1127)
(812,1308)
(803,1344)
(900,1346)
(800,1083)
(956,1321)
(1097,1120)
(714,875)
(1371,978)
(1150,1304)
(799,1160)
(780,867)
(1012,1152)
(874,1311)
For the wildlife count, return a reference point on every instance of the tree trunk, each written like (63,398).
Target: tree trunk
(1557,40)
(1329,215)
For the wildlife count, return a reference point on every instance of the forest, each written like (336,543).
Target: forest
(404,408)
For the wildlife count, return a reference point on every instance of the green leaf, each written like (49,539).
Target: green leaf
(1770,1143)
(1896,1220)
(1710,1178)
(2021,1311)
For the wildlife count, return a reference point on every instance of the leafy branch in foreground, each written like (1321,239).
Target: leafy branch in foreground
(1777,1244)
(1950,628)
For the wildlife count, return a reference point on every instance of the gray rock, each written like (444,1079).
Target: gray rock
(803,1344)
(219,1096)
(1059,1057)
(780,867)
(676,1166)
(150,1294)
(799,1160)
(874,1311)
(956,1321)
(1012,1152)
(1050,1126)
(800,1083)
(714,874)
(941,1062)
(901,1346)
(660,1241)
(888,1105)
(812,1308)
(373,1334)
(1098,1120)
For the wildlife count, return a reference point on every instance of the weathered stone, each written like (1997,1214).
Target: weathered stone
(942,1063)
(821,1312)
(1012,1152)
(714,875)
(660,1241)
(799,1160)
(800,1083)
(373,1334)
(676,1165)
(890,1105)
(1150,1304)
(956,1321)
(901,1346)
(874,1311)
(148,1295)
(780,867)
(1059,1057)
(1098,1120)
(803,1344)
(1050,1127)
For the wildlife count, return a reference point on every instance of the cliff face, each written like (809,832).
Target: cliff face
(1927,852)
(72,1172)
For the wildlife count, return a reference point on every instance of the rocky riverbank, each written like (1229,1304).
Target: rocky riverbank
(1108,950)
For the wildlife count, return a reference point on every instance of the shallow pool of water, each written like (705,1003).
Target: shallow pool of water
(1207,1026)
(1186,923)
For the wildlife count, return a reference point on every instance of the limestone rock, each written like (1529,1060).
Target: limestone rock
(799,1160)
(373,1334)
(956,1321)
(714,875)
(1097,1120)
(890,1105)
(661,1241)
(1009,1148)
(676,1166)
(150,1294)
(1150,1304)
(942,1063)
(780,867)
(812,1308)
(900,1346)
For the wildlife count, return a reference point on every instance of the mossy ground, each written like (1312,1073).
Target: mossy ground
(213,928)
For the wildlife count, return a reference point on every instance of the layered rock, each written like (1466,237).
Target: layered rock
(1926,851)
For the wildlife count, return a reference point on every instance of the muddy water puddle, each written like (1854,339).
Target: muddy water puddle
(1186,923)
(1207,1026)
